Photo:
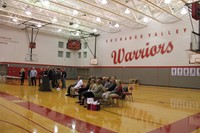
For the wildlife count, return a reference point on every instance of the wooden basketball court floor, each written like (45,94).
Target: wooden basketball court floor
(24,109)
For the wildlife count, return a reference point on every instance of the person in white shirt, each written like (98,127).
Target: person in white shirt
(77,86)
(33,75)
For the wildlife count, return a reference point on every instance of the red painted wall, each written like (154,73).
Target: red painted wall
(14,71)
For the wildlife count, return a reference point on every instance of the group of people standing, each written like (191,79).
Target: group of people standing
(32,74)
(55,75)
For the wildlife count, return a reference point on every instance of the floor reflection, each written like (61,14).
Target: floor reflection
(153,110)
(184,103)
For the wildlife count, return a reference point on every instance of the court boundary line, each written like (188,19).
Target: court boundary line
(25,118)
(67,119)
(15,125)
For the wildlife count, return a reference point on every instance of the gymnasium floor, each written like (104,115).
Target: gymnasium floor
(24,109)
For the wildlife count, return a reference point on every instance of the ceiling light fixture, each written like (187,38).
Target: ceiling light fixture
(167,1)
(94,30)
(28,12)
(183,11)
(77,34)
(60,1)
(46,3)
(76,25)
(54,19)
(39,25)
(116,25)
(104,2)
(127,11)
(98,19)
(145,19)
(59,30)
(75,12)
(15,19)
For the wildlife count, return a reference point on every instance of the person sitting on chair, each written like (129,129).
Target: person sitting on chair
(92,86)
(71,90)
(112,85)
(107,82)
(84,89)
(115,93)
(96,92)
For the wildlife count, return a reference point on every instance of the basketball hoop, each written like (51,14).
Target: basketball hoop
(94,61)
(31,57)
(194,57)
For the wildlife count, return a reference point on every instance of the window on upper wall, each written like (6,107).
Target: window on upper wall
(85,54)
(60,44)
(79,54)
(85,45)
(60,53)
(68,54)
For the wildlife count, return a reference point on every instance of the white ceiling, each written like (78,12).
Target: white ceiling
(112,15)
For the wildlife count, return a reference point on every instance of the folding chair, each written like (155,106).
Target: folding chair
(117,98)
(129,93)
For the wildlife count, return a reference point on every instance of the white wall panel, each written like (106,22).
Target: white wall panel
(14,46)
(179,34)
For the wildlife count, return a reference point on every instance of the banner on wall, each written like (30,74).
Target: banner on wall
(186,71)
(173,71)
(180,72)
(147,47)
(7,40)
(198,71)
(192,71)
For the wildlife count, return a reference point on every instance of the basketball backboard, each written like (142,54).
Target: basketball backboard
(194,57)
(94,61)
(31,57)
(195,44)
(194,52)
